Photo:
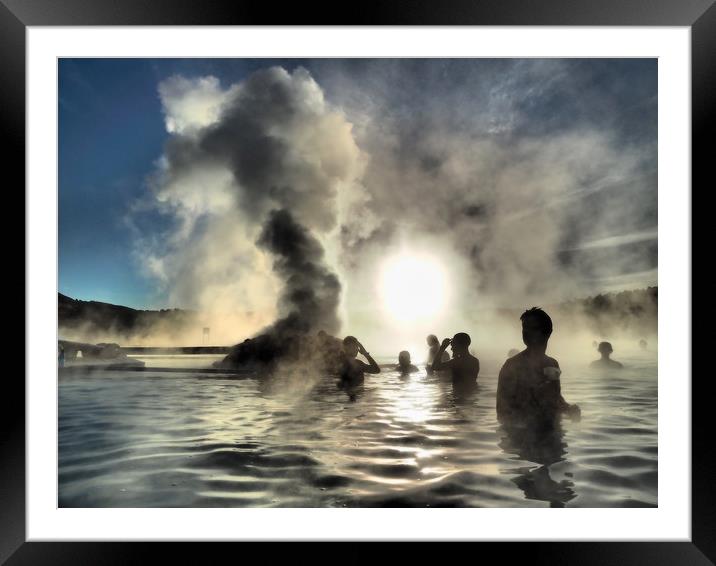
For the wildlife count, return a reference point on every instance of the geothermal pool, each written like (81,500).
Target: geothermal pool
(152,439)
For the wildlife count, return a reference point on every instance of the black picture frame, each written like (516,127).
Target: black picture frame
(699,15)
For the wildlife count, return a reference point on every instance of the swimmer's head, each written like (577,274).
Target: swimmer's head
(605,348)
(350,346)
(460,342)
(404,358)
(536,327)
(433,340)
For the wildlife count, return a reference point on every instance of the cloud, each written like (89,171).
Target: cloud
(191,104)
(242,162)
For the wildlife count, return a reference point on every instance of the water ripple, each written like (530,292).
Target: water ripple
(178,441)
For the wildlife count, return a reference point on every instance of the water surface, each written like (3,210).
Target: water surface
(129,439)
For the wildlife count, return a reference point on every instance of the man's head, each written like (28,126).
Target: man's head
(432,340)
(460,342)
(350,346)
(404,358)
(605,349)
(536,327)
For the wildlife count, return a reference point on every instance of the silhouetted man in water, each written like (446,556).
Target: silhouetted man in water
(464,367)
(605,349)
(528,387)
(352,369)
(404,365)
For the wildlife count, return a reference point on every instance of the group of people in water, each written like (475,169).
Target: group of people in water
(528,384)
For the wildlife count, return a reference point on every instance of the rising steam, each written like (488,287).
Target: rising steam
(526,178)
(249,180)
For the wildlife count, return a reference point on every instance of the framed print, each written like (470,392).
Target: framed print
(389,278)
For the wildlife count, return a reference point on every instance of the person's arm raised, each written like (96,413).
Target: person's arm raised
(438,363)
(373,367)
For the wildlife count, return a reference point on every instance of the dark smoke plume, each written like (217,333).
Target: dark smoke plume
(311,292)
(250,179)
(308,302)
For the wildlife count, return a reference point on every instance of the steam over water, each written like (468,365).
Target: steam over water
(196,439)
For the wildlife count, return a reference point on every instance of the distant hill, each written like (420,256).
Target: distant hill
(94,321)
(632,312)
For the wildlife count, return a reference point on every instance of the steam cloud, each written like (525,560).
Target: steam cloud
(533,182)
(515,165)
(249,180)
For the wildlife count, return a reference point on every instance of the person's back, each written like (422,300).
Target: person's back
(528,386)
(464,367)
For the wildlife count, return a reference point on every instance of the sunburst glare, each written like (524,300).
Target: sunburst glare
(413,287)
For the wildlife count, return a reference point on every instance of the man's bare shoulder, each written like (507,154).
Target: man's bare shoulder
(517,359)
(551,362)
(510,364)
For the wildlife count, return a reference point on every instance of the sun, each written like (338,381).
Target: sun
(413,287)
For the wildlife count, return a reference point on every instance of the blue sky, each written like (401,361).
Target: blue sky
(112,131)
